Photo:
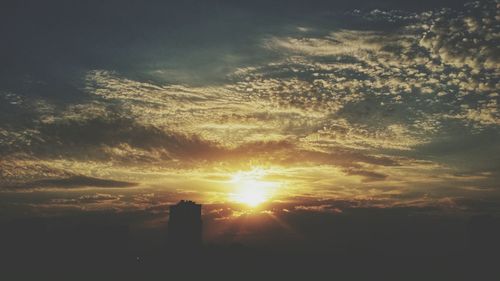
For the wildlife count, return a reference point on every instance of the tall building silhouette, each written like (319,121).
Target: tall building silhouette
(184,227)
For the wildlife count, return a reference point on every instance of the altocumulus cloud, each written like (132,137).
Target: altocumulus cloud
(382,96)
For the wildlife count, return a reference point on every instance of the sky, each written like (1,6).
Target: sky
(269,114)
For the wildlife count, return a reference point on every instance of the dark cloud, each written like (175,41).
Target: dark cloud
(369,175)
(90,138)
(74,182)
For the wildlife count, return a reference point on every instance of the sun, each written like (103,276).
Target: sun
(251,192)
(250,189)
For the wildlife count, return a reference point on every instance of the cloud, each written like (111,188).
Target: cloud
(107,136)
(465,38)
(369,98)
(87,199)
(368,175)
(74,182)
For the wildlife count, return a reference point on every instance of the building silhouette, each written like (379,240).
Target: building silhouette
(184,227)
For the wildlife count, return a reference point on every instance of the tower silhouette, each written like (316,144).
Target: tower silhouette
(184,227)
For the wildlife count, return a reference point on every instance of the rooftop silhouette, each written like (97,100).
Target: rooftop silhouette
(184,227)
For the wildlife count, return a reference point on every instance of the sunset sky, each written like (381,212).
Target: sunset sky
(255,110)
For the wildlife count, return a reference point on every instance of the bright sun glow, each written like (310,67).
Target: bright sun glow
(250,189)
